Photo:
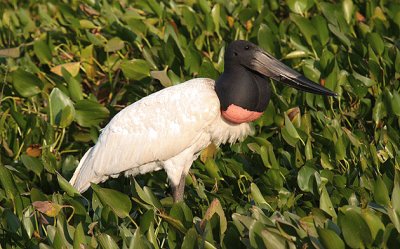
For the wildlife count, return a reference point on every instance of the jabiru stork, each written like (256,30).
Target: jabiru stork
(168,129)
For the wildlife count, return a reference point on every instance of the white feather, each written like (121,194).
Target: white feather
(166,129)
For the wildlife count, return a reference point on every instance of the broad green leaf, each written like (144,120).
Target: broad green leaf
(79,237)
(300,6)
(381,193)
(117,201)
(355,230)
(305,178)
(66,186)
(42,51)
(212,169)
(114,44)
(74,86)
(305,26)
(272,240)
(138,240)
(376,43)
(135,69)
(339,34)
(183,213)
(348,10)
(329,239)
(258,197)
(28,221)
(12,220)
(190,239)
(60,238)
(395,103)
(265,39)
(90,113)
(379,110)
(25,83)
(396,191)
(325,203)
(289,132)
(62,111)
(216,15)
(106,241)
(374,223)
(32,163)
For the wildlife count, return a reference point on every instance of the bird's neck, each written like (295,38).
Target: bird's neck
(243,94)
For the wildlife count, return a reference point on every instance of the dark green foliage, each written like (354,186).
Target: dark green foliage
(318,173)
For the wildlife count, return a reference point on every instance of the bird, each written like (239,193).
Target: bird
(169,128)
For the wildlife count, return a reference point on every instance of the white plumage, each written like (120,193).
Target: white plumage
(166,130)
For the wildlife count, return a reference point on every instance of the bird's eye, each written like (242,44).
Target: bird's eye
(247,47)
(236,54)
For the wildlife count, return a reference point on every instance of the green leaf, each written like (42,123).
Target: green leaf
(120,203)
(258,197)
(32,163)
(381,193)
(26,84)
(42,51)
(339,34)
(135,69)
(355,230)
(325,203)
(190,239)
(74,86)
(66,186)
(348,10)
(300,6)
(62,111)
(305,26)
(114,44)
(379,110)
(321,28)
(329,239)
(395,103)
(138,240)
(376,42)
(305,178)
(265,39)
(289,132)
(396,191)
(79,237)
(28,221)
(90,113)
(106,241)
(272,240)
(374,223)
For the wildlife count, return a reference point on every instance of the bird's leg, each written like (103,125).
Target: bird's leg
(178,190)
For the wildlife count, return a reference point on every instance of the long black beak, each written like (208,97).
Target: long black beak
(267,65)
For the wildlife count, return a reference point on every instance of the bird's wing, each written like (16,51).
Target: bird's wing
(156,128)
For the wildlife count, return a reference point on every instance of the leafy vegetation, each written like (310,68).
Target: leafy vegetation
(319,172)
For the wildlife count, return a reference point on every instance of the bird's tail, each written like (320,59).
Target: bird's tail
(84,173)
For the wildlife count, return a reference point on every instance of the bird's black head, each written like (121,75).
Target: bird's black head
(240,53)
(243,89)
